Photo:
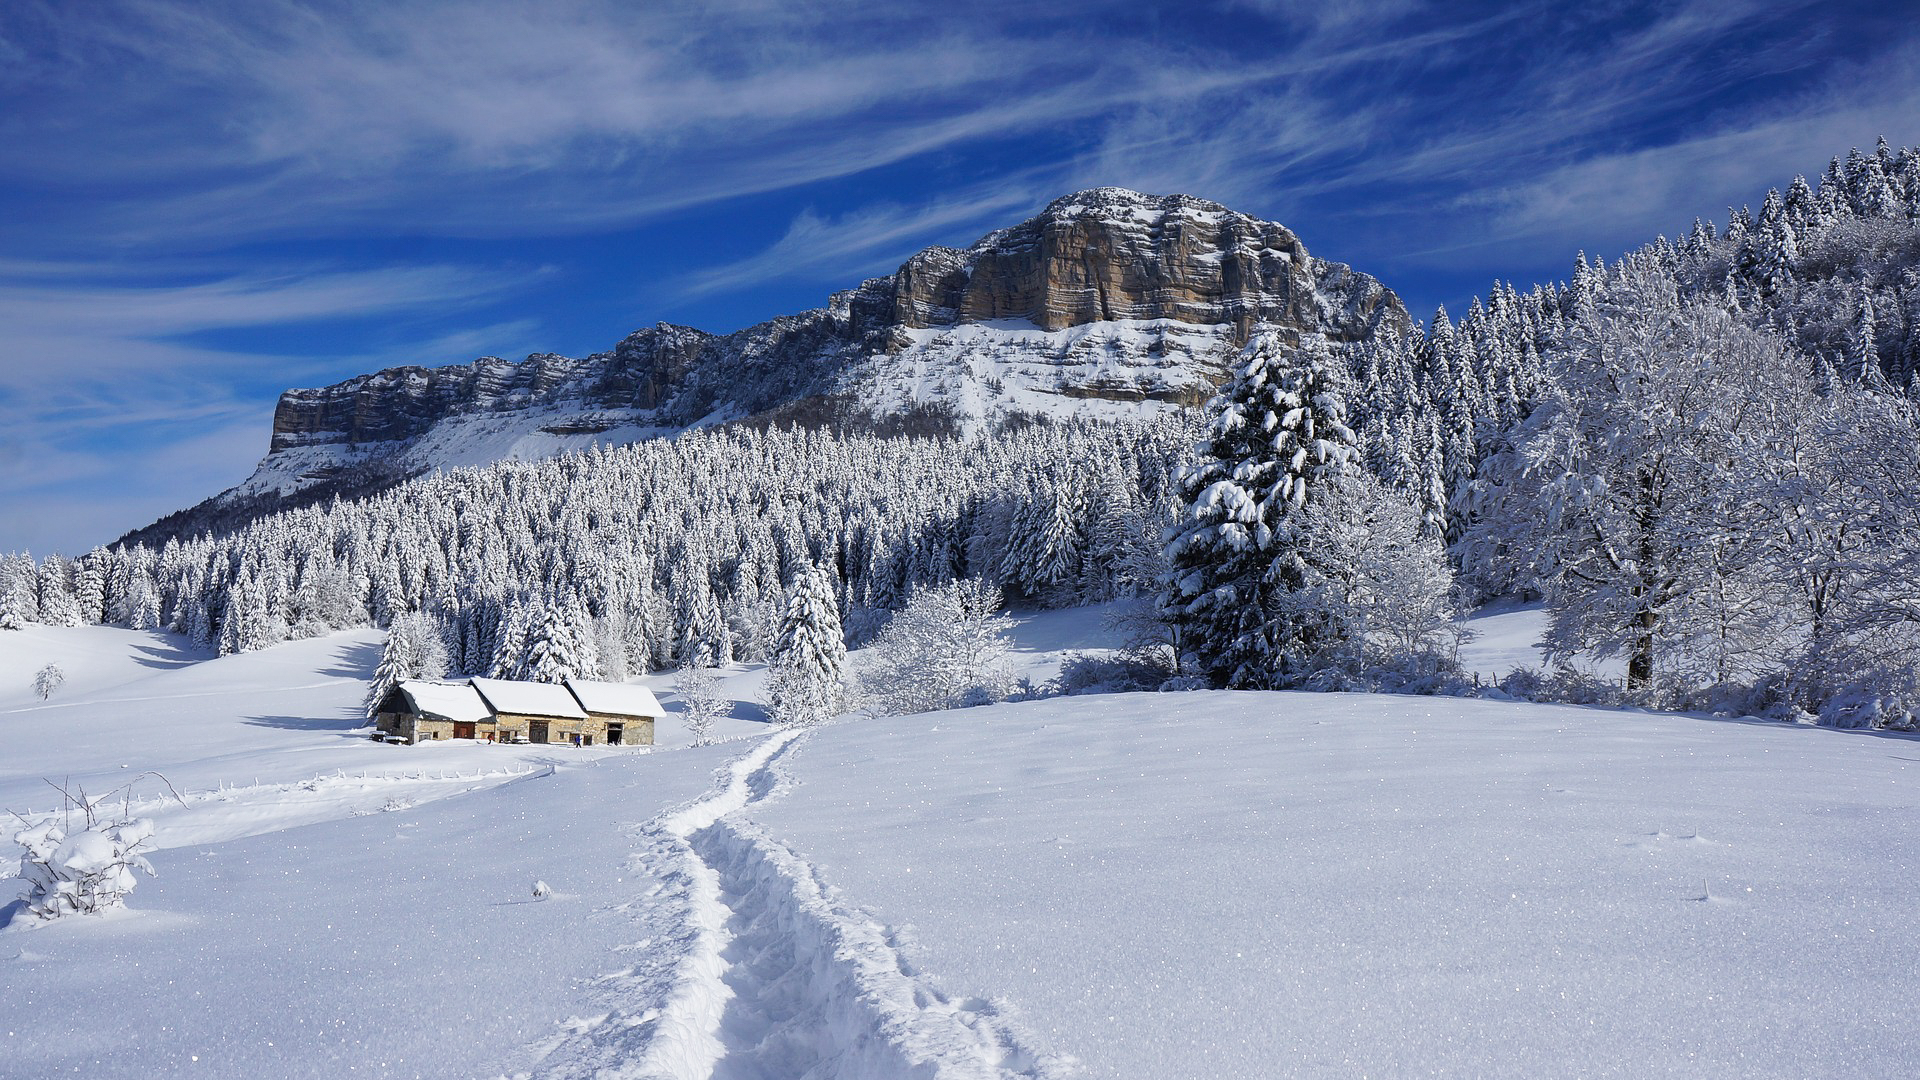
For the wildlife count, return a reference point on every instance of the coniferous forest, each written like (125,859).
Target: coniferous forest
(1702,457)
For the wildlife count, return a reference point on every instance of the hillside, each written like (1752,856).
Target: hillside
(1156,885)
(1107,304)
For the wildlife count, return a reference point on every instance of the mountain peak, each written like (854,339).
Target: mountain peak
(1119,200)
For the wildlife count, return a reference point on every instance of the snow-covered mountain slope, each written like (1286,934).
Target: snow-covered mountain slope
(1108,303)
(1156,885)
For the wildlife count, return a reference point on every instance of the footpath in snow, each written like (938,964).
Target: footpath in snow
(776,976)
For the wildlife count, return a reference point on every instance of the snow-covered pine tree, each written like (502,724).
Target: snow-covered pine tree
(510,641)
(415,649)
(610,647)
(1280,435)
(809,655)
(554,651)
(57,607)
(1863,356)
(142,604)
(90,588)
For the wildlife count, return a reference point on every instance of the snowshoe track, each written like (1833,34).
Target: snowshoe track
(776,977)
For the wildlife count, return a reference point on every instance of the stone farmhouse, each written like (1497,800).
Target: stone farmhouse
(578,712)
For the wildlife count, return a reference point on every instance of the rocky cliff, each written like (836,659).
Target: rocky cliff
(1107,302)
(1108,254)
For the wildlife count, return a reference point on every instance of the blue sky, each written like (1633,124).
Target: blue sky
(203,203)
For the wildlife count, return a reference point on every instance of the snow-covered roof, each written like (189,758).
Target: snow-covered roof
(529,698)
(446,701)
(616,699)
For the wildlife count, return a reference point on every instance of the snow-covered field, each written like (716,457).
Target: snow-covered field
(1180,885)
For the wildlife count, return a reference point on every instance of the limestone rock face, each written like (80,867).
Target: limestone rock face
(1109,254)
(401,403)
(1109,302)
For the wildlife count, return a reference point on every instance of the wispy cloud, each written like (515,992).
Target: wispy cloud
(1611,200)
(105,397)
(559,113)
(874,239)
(1180,121)
(503,118)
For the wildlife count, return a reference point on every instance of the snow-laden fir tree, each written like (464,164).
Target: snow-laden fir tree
(510,643)
(57,607)
(1279,439)
(1862,355)
(19,587)
(555,650)
(414,650)
(809,655)
(90,588)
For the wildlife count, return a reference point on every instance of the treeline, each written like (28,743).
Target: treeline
(659,551)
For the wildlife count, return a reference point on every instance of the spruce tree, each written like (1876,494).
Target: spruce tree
(1863,357)
(57,607)
(510,643)
(415,649)
(554,652)
(1280,435)
(810,654)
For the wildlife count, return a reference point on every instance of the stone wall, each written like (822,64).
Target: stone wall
(515,727)
(635,730)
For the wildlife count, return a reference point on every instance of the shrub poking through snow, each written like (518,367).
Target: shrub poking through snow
(47,680)
(83,867)
(86,872)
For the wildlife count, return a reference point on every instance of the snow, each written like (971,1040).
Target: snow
(460,439)
(1507,637)
(985,368)
(397,944)
(1208,884)
(529,698)
(448,701)
(615,699)
(1153,885)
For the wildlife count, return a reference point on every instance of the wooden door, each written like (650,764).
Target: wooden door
(537,731)
(462,729)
